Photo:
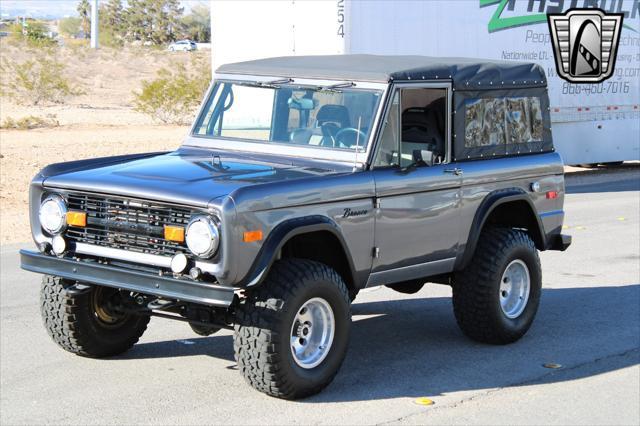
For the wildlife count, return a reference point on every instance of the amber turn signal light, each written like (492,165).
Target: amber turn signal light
(251,236)
(174,233)
(77,219)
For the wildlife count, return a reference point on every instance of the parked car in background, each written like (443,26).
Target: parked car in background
(183,45)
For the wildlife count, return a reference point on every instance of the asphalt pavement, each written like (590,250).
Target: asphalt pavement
(403,347)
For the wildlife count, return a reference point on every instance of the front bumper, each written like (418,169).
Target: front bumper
(560,242)
(89,272)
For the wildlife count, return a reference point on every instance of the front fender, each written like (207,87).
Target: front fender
(279,236)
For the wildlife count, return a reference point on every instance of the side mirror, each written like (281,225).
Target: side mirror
(423,156)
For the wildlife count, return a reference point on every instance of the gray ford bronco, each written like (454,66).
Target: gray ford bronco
(302,181)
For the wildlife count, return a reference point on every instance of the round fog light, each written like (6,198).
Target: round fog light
(59,245)
(195,272)
(179,263)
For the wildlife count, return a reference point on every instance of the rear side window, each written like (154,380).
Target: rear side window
(502,121)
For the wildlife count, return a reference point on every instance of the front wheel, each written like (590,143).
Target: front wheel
(292,332)
(495,298)
(88,324)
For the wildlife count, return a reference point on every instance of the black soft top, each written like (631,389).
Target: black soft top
(465,73)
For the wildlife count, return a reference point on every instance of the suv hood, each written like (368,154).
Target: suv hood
(187,176)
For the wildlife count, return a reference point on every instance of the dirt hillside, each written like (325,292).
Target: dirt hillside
(100,122)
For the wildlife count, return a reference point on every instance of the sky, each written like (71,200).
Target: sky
(55,8)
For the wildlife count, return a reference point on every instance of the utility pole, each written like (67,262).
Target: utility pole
(211,9)
(94,24)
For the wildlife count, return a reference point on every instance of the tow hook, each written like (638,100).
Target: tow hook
(78,289)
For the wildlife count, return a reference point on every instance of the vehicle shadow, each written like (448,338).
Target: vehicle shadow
(413,347)
(216,346)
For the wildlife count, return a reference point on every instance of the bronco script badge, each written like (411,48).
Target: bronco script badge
(585,43)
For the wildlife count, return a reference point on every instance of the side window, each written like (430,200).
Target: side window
(387,154)
(206,125)
(500,121)
(423,126)
(250,117)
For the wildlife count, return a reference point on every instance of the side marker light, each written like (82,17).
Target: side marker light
(252,236)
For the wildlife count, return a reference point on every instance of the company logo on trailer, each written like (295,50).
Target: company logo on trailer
(585,43)
(511,14)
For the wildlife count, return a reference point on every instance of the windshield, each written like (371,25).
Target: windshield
(328,118)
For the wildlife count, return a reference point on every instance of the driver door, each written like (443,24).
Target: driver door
(418,199)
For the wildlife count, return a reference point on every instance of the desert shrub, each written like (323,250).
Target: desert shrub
(34,34)
(70,26)
(174,95)
(30,122)
(15,30)
(37,81)
(107,37)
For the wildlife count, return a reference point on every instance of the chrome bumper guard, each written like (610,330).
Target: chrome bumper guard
(89,272)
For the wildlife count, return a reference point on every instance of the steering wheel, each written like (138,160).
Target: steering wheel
(342,137)
(329,131)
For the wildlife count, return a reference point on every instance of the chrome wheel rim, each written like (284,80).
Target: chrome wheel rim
(312,333)
(515,287)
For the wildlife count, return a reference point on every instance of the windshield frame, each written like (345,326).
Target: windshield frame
(303,151)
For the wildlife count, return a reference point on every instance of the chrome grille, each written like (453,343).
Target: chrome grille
(126,224)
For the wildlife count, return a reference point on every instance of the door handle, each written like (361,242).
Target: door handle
(455,171)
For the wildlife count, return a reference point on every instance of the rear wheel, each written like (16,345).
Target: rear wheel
(292,332)
(88,324)
(495,298)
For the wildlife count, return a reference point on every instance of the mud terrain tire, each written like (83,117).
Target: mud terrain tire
(477,291)
(266,324)
(73,324)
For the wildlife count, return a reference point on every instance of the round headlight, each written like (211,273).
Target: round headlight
(53,214)
(203,236)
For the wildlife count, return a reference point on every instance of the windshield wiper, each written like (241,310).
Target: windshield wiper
(274,83)
(271,84)
(335,87)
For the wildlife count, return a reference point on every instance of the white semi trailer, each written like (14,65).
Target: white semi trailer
(595,123)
